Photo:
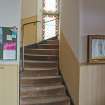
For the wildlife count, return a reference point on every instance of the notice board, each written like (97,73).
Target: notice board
(8,43)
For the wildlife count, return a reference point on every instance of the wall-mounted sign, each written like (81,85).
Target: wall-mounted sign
(8,43)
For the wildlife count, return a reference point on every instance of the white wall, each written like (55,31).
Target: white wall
(39,18)
(92,85)
(70,23)
(9,12)
(92,21)
(29,8)
(10,16)
(80,18)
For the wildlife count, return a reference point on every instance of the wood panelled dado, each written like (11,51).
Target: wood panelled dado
(69,67)
(29,30)
(86,83)
(92,85)
(9,85)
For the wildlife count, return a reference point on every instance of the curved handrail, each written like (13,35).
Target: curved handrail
(22,48)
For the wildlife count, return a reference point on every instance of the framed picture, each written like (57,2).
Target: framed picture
(96,49)
(8,43)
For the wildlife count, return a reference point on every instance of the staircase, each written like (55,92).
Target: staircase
(40,82)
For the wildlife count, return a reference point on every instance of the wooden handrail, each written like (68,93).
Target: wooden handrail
(50,20)
(31,23)
(22,48)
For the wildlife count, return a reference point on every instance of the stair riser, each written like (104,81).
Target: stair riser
(42,52)
(54,38)
(51,42)
(56,103)
(42,82)
(40,65)
(48,46)
(40,73)
(49,58)
(53,92)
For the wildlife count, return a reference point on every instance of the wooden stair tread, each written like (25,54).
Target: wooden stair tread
(39,55)
(52,39)
(41,49)
(36,61)
(40,78)
(40,69)
(49,44)
(46,100)
(41,88)
(40,82)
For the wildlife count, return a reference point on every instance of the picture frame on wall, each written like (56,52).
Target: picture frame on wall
(8,43)
(96,49)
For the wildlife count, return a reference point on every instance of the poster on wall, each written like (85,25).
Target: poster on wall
(8,43)
(1,43)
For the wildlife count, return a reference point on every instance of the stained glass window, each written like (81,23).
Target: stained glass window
(50,26)
(50,18)
(50,5)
